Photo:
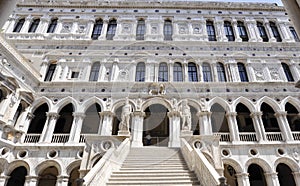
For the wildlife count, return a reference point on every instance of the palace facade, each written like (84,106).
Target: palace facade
(84,82)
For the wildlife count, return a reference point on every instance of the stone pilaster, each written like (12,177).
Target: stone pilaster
(284,125)
(236,31)
(174,125)
(76,127)
(272,179)
(269,31)
(243,179)
(233,127)
(48,130)
(26,24)
(252,30)
(107,122)
(137,128)
(104,29)
(204,123)
(258,126)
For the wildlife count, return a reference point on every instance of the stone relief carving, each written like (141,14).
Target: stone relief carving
(123,75)
(126,29)
(274,73)
(197,29)
(66,28)
(259,74)
(154,29)
(157,89)
(183,29)
(81,29)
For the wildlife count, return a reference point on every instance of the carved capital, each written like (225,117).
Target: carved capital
(52,115)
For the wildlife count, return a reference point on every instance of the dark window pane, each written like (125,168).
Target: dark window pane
(211,31)
(95,72)
(35,23)
(221,72)
(275,32)
(177,72)
(111,30)
(242,72)
(140,30)
(19,25)
(52,26)
(287,72)
(207,77)
(50,72)
(229,31)
(97,29)
(242,31)
(192,71)
(294,33)
(262,32)
(140,72)
(163,72)
(168,30)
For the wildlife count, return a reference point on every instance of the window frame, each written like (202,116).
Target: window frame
(242,31)
(177,72)
(207,73)
(193,72)
(140,72)
(52,26)
(34,25)
(140,30)
(97,29)
(168,30)
(275,32)
(262,31)
(221,72)
(211,32)
(229,31)
(111,29)
(287,72)
(163,72)
(50,72)
(19,25)
(243,72)
(94,74)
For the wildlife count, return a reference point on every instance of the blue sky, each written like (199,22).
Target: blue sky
(264,1)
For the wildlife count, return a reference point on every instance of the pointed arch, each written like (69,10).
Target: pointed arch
(160,101)
(247,102)
(40,101)
(221,102)
(292,100)
(63,102)
(72,165)
(275,106)
(119,103)
(87,103)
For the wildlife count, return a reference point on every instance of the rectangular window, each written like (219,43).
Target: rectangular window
(74,74)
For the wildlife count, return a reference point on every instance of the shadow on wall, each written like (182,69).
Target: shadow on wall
(6,8)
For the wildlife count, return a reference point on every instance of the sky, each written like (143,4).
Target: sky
(263,1)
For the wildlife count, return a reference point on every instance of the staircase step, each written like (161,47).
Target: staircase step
(153,182)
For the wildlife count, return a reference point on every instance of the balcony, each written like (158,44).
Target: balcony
(224,136)
(247,136)
(32,138)
(274,136)
(60,138)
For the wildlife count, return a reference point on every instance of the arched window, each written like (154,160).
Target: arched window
(163,72)
(91,120)
(64,122)
(168,30)
(218,119)
(242,31)
(275,32)
(17,177)
(48,177)
(243,118)
(34,24)
(292,117)
(287,71)
(39,120)
(230,175)
(256,175)
(177,72)
(285,175)
(95,71)
(229,31)
(74,175)
(211,31)
(140,72)
(269,119)
(242,72)
(111,29)
(52,26)
(50,72)
(192,71)
(18,113)
(221,72)
(140,30)
(262,32)
(294,33)
(206,70)
(19,25)
(97,29)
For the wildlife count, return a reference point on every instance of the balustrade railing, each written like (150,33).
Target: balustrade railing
(82,138)
(32,138)
(296,135)
(274,136)
(223,136)
(249,136)
(60,138)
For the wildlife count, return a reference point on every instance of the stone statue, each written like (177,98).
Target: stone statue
(186,116)
(125,116)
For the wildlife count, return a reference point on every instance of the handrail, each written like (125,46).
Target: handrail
(112,160)
(197,162)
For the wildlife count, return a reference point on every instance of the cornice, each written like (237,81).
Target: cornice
(153,5)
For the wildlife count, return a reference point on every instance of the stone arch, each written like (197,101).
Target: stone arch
(120,103)
(221,102)
(261,162)
(14,164)
(3,165)
(289,162)
(40,101)
(160,101)
(248,103)
(292,100)
(193,103)
(275,106)
(89,102)
(47,163)
(72,165)
(65,101)
(96,158)
(235,164)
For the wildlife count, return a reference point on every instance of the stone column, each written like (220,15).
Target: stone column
(236,31)
(252,31)
(204,29)
(286,36)
(3,180)
(11,24)
(174,125)
(137,128)
(294,70)
(185,71)
(272,179)
(214,71)
(107,122)
(204,123)
(233,68)
(220,32)
(233,127)
(76,127)
(104,29)
(243,179)
(31,180)
(200,72)
(26,24)
(296,178)
(90,28)
(4,105)
(269,31)
(170,67)
(258,126)
(43,26)
(48,130)
(62,180)
(284,125)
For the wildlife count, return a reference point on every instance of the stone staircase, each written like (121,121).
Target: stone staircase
(154,166)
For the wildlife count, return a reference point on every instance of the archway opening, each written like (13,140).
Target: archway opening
(244,121)
(195,121)
(230,175)
(285,175)
(292,117)
(48,177)
(218,119)
(38,122)
(269,119)
(156,125)
(65,120)
(17,177)
(74,175)
(91,121)
(256,175)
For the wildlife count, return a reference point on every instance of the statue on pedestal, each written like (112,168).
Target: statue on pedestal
(125,117)
(186,116)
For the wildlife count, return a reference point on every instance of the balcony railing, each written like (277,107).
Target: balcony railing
(223,136)
(296,135)
(60,138)
(249,136)
(274,136)
(82,138)
(32,138)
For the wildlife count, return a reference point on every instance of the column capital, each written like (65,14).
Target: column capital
(204,113)
(280,113)
(78,114)
(242,174)
(234,114)
(31,178)
(271,174)
(174,114)
(138,113)
(106,113)
(256,114)
(52,115)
